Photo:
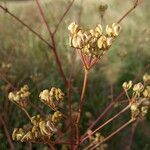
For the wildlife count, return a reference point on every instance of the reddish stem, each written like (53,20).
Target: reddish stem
(53,44)
(129,11)
(63,16)
(108,121)
(114,133)
(81,104)
(27,26)
(7,134)
(70,117)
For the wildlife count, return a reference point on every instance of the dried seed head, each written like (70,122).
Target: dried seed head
(101,43)
(92,42)
(44,95)
(146,78)
(116,29)
(20,97)
(56,116)
(146,92)
(127,85)
(103,7)
(144,110)
(138,88)
(73,28)
(18,134)
(99,29)
(52,97)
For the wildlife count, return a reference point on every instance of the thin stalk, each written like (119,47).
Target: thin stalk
(110,136)
(59,62)
(107,122)
(70,117)
(81,104)
(134,126)
(27,26)
(114,101)
(53,44)
(99,118)
(129,11)
(23,109)
(43,17)
(12,147)
(63,16)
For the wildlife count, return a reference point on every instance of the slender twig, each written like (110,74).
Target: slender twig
(136,3)
(13,87)
(63,16)
(106,110)
(100,117)
(80,12)
(53,44)
(134,125)
(23,109)
(70,116)
(81,104)
(38,109)
(43,17)
(27,26)
(95,145)
(12,147)
(108,121)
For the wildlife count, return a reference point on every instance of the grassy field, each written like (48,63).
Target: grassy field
(33,63)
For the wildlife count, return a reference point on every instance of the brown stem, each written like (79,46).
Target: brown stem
(129,11)
(23,109)
(108,121)
(111,135)
(27,26)
(80,12)
(84,86)
(70,116)
(81,104)
(132,135)
(112,103)
(59,63)
(12,147)
(38,109)
(63,16)
(53,44)
(102,115)
(43,17)
(99,118)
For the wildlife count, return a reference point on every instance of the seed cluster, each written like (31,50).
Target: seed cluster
(41,130)
(52,97)
(93,42)
(97,138)
(140,100)
(20,97)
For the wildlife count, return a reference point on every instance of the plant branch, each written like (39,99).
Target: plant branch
(70,116)
(134,126)
(136,3)
(81,103)
(113,102)
(27,26)
(110,136)
(108,121)
(43,17)
(54,49)
(12,147)
(63,16)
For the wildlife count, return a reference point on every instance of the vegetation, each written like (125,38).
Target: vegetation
(78,72)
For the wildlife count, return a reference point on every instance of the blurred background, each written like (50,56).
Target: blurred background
(24,59)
